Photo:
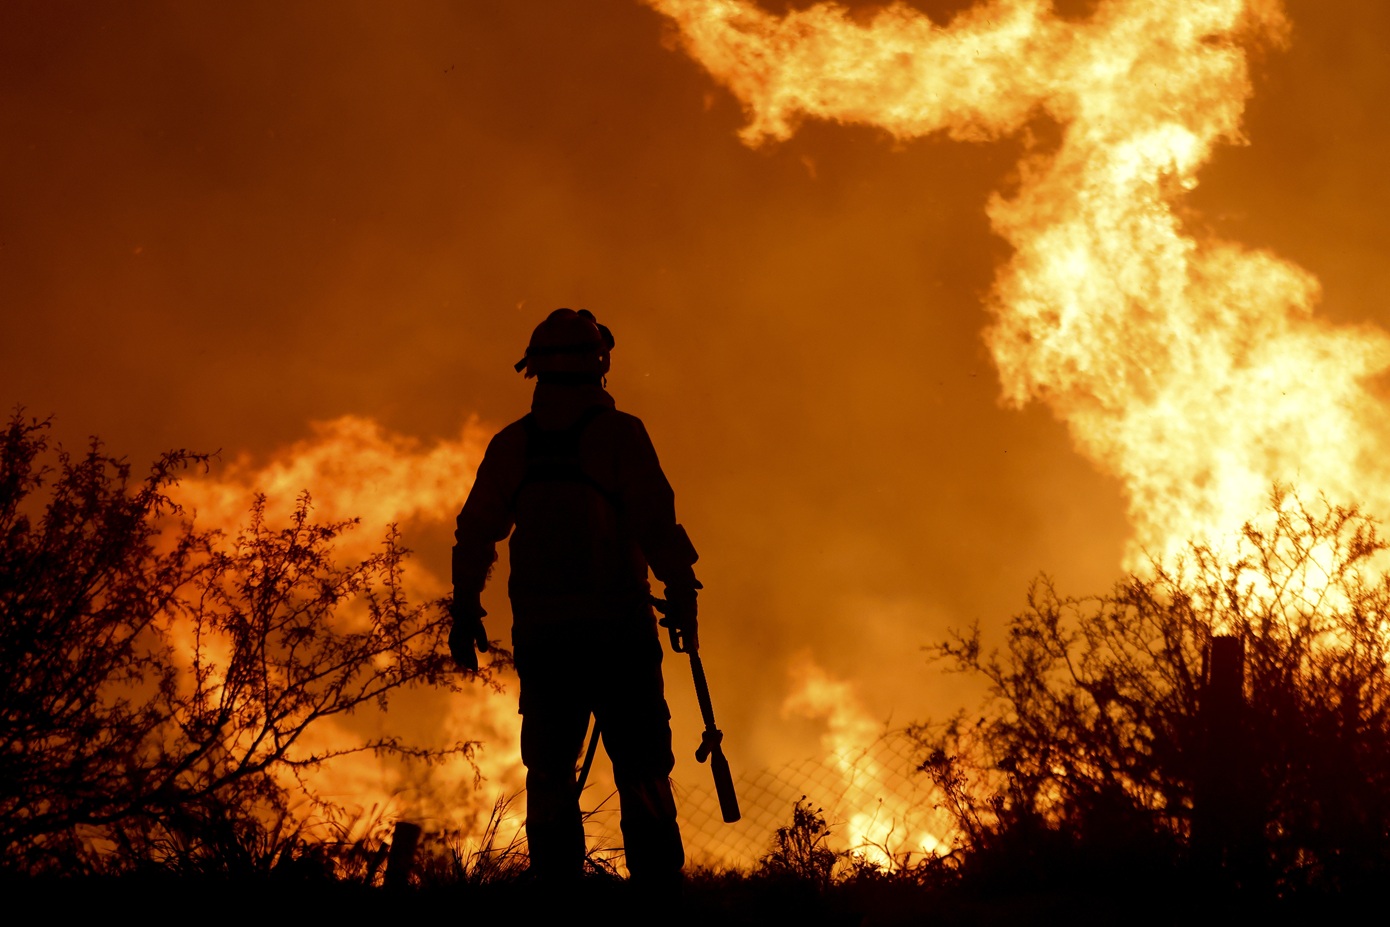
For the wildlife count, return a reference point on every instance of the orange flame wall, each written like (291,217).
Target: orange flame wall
(1188,366)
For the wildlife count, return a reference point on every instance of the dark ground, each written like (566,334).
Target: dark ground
(718,900)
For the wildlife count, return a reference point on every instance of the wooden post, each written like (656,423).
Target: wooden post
(401,860)
(1226,681)
(1222,821)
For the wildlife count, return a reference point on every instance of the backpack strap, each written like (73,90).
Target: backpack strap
(553,456)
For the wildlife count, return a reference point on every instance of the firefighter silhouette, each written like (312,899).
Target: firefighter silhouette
(578,487)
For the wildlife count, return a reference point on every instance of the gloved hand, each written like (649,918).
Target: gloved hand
(680,612)
(467,633)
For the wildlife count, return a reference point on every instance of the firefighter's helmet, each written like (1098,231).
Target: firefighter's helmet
(568,342)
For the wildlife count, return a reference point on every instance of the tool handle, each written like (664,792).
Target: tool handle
(697,669)
(724,786)
(711,742)
(588,758)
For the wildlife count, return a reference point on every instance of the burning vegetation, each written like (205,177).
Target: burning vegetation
(1214,714)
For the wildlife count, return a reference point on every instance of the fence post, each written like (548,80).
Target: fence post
(401,860)
(1224,827)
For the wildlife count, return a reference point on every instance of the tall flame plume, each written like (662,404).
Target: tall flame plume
(1190,368)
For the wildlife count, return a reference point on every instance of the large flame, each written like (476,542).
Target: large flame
(1190,368)
(878,823)
(352,467)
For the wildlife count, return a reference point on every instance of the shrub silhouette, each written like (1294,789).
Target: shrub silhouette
(1091,740)
(799,849)
(157,681)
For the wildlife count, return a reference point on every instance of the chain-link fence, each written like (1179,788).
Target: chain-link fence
(874,800)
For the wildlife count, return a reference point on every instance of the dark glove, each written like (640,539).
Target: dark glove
(680,611)
(467,633)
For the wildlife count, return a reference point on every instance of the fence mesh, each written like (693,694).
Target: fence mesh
(874,800)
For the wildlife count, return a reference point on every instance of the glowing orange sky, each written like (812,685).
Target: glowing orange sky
(220,223)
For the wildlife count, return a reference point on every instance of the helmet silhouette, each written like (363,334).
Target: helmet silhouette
(568,342)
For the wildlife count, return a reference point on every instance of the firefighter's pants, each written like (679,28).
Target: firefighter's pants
(620,683)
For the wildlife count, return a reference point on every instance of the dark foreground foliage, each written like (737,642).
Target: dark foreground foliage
(712,899)
(157,680)
(1099,753)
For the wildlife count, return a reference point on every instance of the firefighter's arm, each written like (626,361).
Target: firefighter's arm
(485,519)
(679,614)
(651,504)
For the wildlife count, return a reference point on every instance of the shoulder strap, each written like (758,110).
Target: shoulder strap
(553,456)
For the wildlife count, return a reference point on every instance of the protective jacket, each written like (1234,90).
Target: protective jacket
(581,484)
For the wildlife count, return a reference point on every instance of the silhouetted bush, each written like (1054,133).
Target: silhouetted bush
(800,850)
(157,681)
(1091,749)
